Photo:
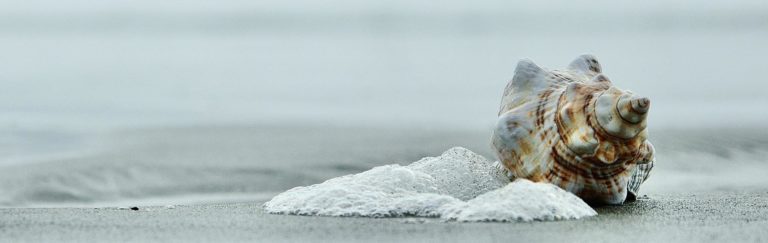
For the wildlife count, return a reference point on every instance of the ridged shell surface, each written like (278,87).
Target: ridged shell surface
(574,129)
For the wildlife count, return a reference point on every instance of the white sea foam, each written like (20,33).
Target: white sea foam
(458,185)
(521,200)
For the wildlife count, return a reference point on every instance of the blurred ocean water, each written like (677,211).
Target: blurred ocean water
(75,74)
(140,63)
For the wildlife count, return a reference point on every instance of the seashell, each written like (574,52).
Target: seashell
(574,129)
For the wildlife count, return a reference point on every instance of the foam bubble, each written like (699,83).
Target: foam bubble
(458,185)
(521,200)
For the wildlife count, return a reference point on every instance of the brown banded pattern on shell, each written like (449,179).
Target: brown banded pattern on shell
(574,129)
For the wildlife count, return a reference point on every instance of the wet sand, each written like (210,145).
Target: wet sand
(707,186)
(722,216)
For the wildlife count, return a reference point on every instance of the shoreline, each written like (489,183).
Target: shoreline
(245,160)
(706,187)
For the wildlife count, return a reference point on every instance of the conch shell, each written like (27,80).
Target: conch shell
(574,129)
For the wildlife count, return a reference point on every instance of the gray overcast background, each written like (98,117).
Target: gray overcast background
(73,68)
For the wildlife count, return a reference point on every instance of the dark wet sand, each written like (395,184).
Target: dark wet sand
(724,216)
(706,187)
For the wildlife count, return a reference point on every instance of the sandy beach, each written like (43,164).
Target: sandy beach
(700,217)
(693,196)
